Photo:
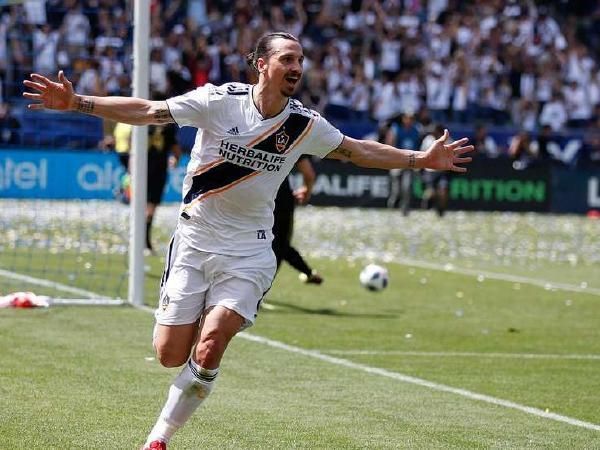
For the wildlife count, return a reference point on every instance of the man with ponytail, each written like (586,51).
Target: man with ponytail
(220,262)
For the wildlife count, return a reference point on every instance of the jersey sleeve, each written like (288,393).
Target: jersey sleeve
(192,108)
(324,137)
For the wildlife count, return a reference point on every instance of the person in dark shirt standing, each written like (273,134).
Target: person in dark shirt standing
(283,225)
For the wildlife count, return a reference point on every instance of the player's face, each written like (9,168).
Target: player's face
(284,67)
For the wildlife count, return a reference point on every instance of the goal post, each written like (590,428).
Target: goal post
(80,250)
(139,157)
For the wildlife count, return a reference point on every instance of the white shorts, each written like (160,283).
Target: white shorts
(194,281)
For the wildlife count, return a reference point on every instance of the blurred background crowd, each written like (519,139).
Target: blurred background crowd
(532,67)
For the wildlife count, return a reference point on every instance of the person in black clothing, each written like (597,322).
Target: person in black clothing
(163,152)
(283,225)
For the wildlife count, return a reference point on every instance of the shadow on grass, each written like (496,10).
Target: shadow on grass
(279,306)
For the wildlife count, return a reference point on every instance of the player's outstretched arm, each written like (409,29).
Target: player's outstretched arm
(48,94)
(440,156)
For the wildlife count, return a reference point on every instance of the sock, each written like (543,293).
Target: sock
(188,391)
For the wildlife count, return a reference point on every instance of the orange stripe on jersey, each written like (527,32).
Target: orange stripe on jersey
(266,133)
(302,136)
(207,166)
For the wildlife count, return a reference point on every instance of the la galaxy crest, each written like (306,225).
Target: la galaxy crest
(281,140)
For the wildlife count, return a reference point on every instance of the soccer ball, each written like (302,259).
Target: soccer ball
(374,277)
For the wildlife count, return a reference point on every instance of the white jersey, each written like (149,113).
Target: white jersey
(238,162)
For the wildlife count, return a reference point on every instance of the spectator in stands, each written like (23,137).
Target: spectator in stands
(439,90)
(90,82)
(158,71)
(20,49)
(460,100)
(520,150)
(578,104)
(45,48)
(484,143)
(360,95)
(554,112)
(410,91)
(480,44)
(111,71)
(76,29)
(314,95)
(545,148)
(525,113)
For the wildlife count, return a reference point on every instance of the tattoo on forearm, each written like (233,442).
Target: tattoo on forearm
(85,105)
(411,161)
(344,152)
(162,116)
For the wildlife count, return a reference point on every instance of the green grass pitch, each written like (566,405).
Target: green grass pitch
(333,368)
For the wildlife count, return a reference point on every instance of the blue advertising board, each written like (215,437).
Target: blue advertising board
(67,174)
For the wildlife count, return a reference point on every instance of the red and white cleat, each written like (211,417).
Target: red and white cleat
(155,445)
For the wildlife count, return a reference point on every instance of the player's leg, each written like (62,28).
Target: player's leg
(150,210)
(428,191)
(290,254)
(182,302)
(156,185)
(295,259)
(282,223)
(395,190)
(197,378)
(442,195)
(173,343)
(406,191)
(230,304)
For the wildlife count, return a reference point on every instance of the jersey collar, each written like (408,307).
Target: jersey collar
(257,112)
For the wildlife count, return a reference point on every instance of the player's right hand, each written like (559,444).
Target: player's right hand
(50,94)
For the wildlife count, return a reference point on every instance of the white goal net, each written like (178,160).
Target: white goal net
(68,250)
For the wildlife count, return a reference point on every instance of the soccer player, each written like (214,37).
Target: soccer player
(283,224)
(220,262)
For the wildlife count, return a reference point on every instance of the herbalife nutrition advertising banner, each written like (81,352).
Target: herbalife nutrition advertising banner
(489,184)
(69,175)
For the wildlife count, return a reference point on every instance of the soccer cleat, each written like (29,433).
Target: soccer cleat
(155,445)
(313,278)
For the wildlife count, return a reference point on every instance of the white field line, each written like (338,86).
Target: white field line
(52,284)
(465,354)
(420,382)
(498,276)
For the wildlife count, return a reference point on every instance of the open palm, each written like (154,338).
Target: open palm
(50,94)
(442,156)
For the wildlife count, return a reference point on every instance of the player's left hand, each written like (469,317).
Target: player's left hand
(302,195)
(442,156)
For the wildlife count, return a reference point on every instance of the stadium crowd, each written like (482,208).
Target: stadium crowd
(527,64)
